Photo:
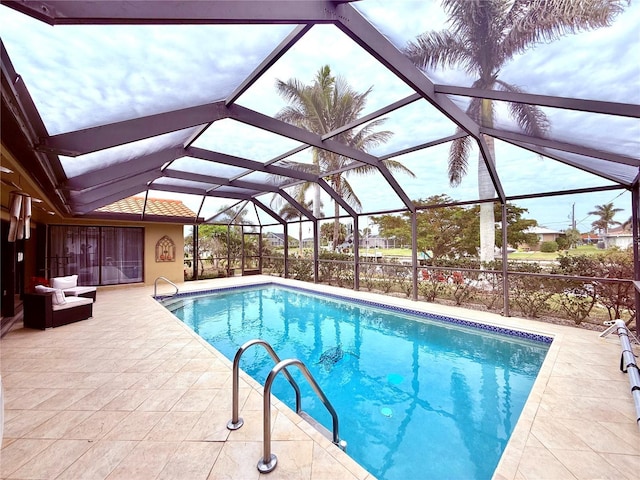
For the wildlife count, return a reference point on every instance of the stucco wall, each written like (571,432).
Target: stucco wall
(173,270)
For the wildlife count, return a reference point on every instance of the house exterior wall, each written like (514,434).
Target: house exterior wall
(173,270)
(621,241)
(548,237)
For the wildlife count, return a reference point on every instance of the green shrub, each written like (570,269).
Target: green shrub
(530,294)
(301,269)
(549,247)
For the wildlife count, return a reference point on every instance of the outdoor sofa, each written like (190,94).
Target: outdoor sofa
(49,307)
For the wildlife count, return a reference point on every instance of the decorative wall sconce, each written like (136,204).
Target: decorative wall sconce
(20,211)
(165,250)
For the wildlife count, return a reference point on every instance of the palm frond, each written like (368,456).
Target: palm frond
(344,189)
(540,21)
(459,159)
(438,50)
(394,166)
(530,118)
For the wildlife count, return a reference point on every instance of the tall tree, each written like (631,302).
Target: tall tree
(326,104)
(289,212)
(446,232)
(483,36)
(605,214)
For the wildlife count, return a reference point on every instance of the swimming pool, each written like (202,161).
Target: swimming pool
(418,396)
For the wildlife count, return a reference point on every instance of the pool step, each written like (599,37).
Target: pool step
(172,304)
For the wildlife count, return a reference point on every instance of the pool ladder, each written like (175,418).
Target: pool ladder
(268,461)
(155,286)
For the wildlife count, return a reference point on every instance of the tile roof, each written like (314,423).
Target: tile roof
(155,206)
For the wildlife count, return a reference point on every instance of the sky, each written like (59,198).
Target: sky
(83,76)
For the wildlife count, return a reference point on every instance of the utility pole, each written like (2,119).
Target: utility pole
(573,216)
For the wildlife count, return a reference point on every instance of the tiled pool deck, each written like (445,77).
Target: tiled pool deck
(132,393)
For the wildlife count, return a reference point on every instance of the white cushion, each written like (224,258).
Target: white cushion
(64,282)
(78,290)
(73,302)
(58,297)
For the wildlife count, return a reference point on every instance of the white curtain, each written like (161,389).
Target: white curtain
(20,213)
(98,255)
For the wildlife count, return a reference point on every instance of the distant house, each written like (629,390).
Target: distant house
(617,237)
(374,241)
(308,242)
(544,235)
(277,240)
(589,238)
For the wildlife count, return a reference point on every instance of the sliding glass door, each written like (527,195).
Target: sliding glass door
(98,255)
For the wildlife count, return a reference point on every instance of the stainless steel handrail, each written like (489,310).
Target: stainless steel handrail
(155,285)
(236,422)
(268,461)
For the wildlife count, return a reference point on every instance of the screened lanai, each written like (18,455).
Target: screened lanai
(179,100)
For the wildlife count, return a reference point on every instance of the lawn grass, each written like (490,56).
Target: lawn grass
(519,255)
(551,256)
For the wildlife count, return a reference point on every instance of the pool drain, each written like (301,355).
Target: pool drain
(394,378)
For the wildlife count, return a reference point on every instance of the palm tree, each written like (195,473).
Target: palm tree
(484,35)
(605,214)
(289,212)
(325,105)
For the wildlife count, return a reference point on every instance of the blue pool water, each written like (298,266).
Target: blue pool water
(417,396)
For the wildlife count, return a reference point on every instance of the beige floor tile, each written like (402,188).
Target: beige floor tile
(145,461)
(212,379)
(596,388)
(135,426)
(18,452)
(25,421)
(161,400)
(587,464)
(196,365)
(64,399)
(173,427)
(237,460)
(346,461)
(540,464)
(626,431)
(325,466)
(211,427)
(97,425)
(97,399)
(124,380)
(195,400)
(27,398)
(152,380)
(628,465)
(585,407)
(99,461)
(59,424)
(255,401)
(146,366)
(192,460)
(294,459)
(128,400)
(53,460)
(285,429)
(555,435)
(181,380)
(598,437)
